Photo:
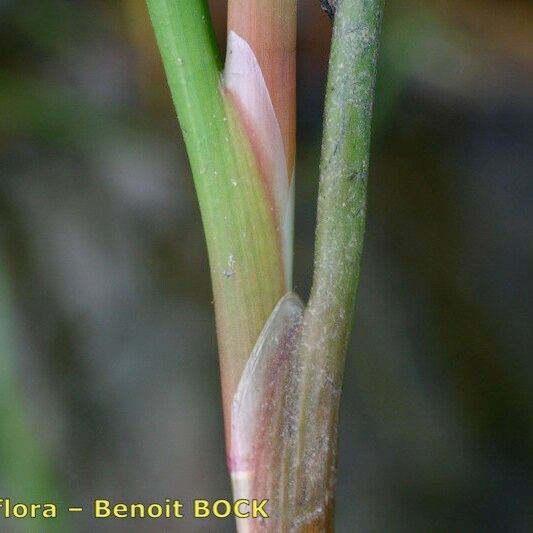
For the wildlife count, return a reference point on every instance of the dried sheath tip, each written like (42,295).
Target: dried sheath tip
(329,6)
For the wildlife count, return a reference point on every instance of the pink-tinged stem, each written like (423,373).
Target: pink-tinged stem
(269,27)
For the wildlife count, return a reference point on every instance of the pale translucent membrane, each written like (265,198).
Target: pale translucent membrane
(262,432)
(244,80)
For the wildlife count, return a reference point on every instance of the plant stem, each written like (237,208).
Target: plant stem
(242,239)
(269,27)
(339,243)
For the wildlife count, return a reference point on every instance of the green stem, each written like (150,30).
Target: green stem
(339,244)
(241,234)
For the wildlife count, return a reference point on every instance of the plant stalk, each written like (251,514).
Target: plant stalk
(269,27)
(338,249)
(242,239)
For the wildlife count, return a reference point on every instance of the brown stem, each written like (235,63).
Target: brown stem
(269,27)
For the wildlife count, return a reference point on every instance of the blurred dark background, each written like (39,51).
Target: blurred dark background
(108,365)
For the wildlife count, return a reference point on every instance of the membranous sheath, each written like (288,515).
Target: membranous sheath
(262,432)
(245,84)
